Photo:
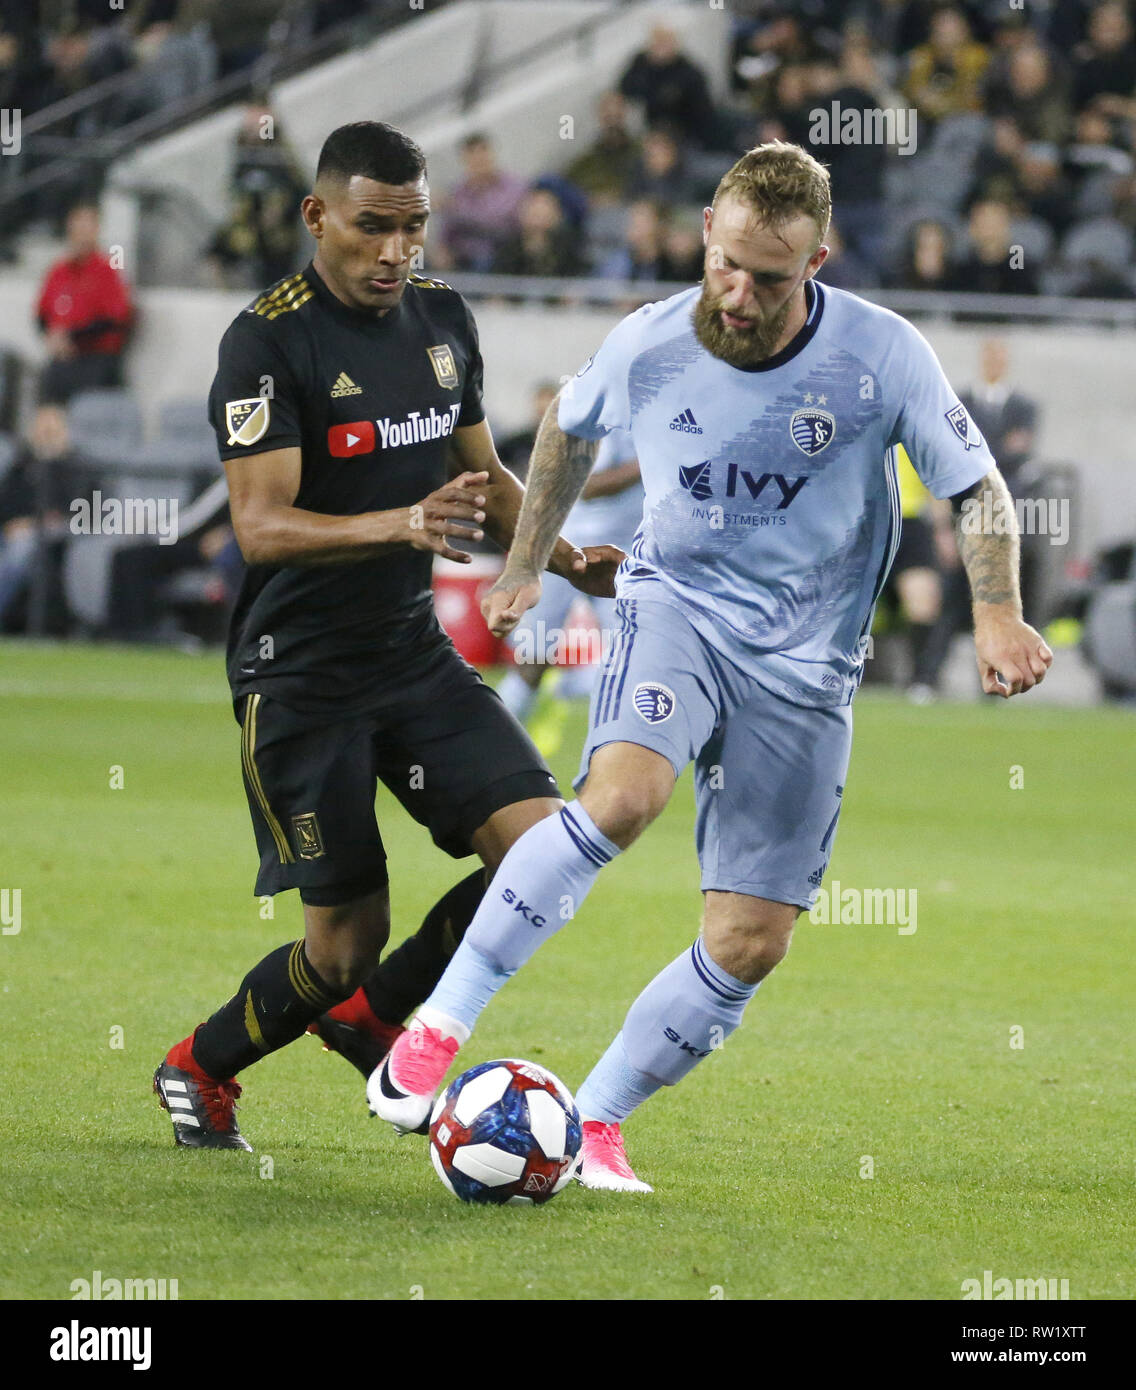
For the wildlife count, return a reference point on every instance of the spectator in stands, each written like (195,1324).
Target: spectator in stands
(240,30)
(1106,64)
(1033,93)
(641,256)
(671,88)
(35,498)
(991,266)
(856,170)
(762,51)
(1095,162)
(23,75)
(662,173)
(785,115)
(79,55)
(85,313)
(926,263)
(172,61)
(261,240)
(544,244)
(683,252)
(945,74)
(844,269)
(482,213)
(1045,192)
(604,170)
(997,165)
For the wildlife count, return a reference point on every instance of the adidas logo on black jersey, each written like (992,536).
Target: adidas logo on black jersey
(686,423)
(344,386)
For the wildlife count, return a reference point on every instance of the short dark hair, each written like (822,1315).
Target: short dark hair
(373,150)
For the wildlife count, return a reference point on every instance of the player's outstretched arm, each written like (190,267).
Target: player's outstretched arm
(1012,656)
(272,530)
(472,450)
(591,569)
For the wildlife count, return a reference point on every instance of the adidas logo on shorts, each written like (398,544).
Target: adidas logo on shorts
(686,423)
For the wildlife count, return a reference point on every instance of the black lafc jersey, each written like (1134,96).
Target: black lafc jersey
(371,402)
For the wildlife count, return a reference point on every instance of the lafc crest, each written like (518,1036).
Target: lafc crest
(445,368)
(247,420)
(308,837)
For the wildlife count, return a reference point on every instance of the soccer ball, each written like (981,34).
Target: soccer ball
(505,1131)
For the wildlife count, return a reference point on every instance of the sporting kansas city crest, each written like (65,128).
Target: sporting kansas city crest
(963,426)
(654,702)
(812,430)
(247,420)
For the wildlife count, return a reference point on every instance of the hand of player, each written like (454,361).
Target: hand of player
(1012,656)
(597,575)
(441,514)
(509,600)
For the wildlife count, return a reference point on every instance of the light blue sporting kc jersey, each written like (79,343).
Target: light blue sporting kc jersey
(771,514)
(610,520)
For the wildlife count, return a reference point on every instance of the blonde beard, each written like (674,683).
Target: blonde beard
(740,347)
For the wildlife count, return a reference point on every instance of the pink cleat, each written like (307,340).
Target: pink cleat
(603,1162)
(401,1088)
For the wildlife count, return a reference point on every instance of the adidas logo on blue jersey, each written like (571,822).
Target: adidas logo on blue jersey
(686,423)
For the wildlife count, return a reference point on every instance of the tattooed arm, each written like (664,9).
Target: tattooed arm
(558,470)
(1012,657)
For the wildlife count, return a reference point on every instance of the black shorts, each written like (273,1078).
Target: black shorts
(443,743)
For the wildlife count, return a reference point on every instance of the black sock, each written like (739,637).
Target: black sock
(923,670)
(276,1001)
(408,975)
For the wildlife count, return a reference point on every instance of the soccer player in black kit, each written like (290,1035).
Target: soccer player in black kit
(347,405)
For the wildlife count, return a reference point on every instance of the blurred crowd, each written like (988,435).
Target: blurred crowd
(1018,179)
(1021,136)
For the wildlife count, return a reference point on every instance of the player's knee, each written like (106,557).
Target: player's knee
(750,945)
(344,965)
(622,813)
(344,943)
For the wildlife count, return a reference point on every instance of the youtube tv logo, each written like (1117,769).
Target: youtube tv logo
(343,441)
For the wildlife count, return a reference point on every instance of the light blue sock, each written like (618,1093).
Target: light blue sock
(540,885)
(517,696)
(685,1013)
(614,1087)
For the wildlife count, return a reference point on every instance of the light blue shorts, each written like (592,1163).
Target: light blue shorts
(768,774)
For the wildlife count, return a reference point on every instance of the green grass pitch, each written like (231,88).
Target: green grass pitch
(866,1044)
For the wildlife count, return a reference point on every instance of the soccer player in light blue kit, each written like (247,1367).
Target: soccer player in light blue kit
(744,612)
(611,506)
